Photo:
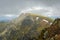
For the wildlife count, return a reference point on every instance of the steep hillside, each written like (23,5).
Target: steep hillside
(31,25)
(26,27)
(54,30)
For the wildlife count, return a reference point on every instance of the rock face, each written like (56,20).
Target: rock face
(54,29)
(27,27)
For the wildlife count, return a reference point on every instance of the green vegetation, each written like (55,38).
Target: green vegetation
(25,27)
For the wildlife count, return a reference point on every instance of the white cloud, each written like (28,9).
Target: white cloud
(46,11)
(44,7)
(10,15)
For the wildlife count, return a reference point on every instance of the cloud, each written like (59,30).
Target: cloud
(14,7)
(45,11)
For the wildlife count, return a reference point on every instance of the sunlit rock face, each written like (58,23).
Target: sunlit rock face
(26,27)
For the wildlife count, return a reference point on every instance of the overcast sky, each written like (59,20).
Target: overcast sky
(14,7)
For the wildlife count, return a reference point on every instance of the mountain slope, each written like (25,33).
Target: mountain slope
(31,24)
(26,27)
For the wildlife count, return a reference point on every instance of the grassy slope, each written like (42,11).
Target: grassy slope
(22,32)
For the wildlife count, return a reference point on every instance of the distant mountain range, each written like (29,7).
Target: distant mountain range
(6,19)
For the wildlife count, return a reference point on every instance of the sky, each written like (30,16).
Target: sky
(11,8)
